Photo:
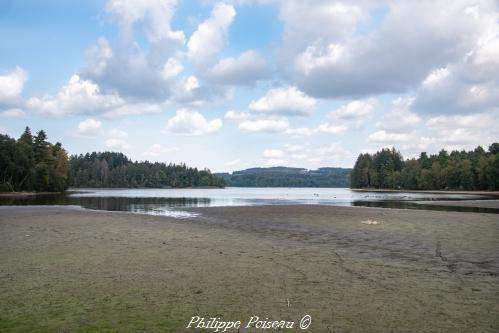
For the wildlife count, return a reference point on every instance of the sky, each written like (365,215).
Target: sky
(244,83)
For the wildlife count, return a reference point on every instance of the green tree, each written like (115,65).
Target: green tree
(494,148)
(462,170)
(360,174)
(32,164)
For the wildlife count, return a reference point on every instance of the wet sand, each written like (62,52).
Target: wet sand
(64,269)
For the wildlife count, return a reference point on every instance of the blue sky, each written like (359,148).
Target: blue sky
(236,84)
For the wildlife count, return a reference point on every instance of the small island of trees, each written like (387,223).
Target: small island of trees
(458,170)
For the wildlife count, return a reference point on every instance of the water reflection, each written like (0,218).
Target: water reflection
(137,204)
(170,202)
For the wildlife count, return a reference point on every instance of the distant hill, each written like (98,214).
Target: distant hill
(288,177)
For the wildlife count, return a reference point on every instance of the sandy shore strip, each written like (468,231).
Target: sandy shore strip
(74,270)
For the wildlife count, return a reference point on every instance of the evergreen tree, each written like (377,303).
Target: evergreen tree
(459,170)
(110,169)
(32,164)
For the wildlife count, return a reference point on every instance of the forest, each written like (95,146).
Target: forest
(288,177)
(110,169)
(457,170)
(33,164)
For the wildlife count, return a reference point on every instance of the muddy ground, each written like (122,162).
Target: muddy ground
(72,270)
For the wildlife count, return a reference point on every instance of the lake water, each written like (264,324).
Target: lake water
(171,201)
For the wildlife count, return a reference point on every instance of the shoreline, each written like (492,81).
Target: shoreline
(480,203)
(27,194)
(481,193)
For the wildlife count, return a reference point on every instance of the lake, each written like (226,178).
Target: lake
(171,201)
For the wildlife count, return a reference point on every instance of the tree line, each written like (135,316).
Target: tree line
(110,169)
(31,163)
(458,170)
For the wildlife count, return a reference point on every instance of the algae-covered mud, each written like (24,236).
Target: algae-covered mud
(73,270)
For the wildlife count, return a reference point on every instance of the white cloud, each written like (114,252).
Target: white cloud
(352,114)
(399,121)
(11,87)
(155,15)
(98,56)
(436,77)
(354,110)
(291,148)
(264,125)
(301,131)
(133,109)
(13,113)
(285,101)
(189,92)
(89,127)
(236,116)
(187,89)
(388,58)
(82,96)
(118,144)
(471,84)
(143,73)
(332,129)
(77,97)
(251,122)
(130,71)
(117,133)
(309,21)
(151,73)
(299,156)
(330,154)
(246,69)
(157,150)
(248,122)
(387,137)
(171,68)
(273,162)
(315,56)
(189,122)
(117,140)
(476,120)
(210,36)
(453,132)
(465,131)
(400,118)
(273,153)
